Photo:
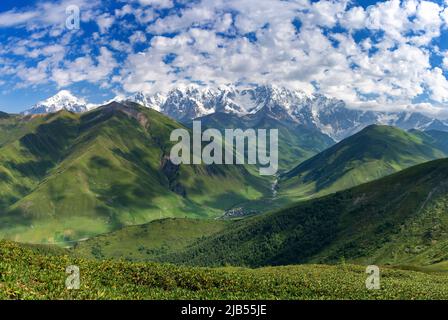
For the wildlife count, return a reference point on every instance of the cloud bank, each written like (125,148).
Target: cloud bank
(390,55)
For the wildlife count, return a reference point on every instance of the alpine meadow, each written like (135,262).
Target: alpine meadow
(224,153)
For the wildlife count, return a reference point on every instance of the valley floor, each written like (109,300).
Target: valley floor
(30,273)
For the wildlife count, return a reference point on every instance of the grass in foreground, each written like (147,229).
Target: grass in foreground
(28,274)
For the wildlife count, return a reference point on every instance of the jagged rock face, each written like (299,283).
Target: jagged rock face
(171,171)
(329,116)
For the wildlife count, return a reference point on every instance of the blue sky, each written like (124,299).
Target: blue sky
(388,55)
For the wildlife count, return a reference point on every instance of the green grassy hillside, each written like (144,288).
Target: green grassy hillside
(149,241)
(399,219)
(27,274)
(370,154)
(13,127)
(29,147)
(296,143)
(435,138)
(72,176)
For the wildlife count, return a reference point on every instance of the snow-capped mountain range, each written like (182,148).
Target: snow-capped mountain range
(328,115)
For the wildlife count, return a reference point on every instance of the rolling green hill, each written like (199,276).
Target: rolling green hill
(370,154)
(149,241)
(400,219)
(435,138)
(69,176)
(13,127)
(26,273)
(296,143)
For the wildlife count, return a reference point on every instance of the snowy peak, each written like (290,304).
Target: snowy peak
(146,100)
(63,100)
(193,101)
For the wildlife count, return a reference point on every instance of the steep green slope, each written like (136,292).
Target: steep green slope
(149,241)
(296,143)
(370,154)
(13,127)
(399,219)
(29,150)
(438,139)
(27,274)
(75,176)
